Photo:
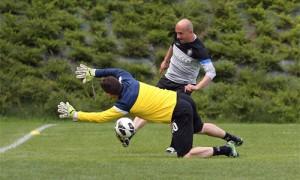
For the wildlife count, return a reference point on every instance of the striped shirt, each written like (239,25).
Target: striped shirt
(186,61)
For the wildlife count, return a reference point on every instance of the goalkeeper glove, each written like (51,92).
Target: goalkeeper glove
(65,110)
(85,73)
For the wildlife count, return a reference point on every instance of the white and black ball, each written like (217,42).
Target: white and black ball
(125,127)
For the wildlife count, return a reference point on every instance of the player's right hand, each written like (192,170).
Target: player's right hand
(65,110)
(85,73)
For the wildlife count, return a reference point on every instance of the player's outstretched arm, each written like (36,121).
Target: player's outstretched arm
(65,110)
(87,74)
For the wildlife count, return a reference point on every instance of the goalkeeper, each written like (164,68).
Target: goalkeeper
(149,103)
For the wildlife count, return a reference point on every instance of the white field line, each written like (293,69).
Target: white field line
(25,138)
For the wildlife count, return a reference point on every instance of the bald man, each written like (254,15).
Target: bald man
(183,61)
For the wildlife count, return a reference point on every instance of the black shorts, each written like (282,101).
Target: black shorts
(165,83)
(185,122)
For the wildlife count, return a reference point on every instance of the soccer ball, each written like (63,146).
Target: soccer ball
(124,127)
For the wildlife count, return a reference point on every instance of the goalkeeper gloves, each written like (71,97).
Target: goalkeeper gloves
(85,73)
(65,110)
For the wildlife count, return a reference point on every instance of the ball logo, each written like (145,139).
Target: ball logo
(122,129)
(174,127)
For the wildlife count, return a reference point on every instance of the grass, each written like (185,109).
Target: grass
(90,151)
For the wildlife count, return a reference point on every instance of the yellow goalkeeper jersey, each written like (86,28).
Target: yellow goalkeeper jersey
(137,98)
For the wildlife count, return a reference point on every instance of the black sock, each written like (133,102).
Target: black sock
(229,137)
(221,150)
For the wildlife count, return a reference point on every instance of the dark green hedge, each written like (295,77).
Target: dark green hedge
(254,45)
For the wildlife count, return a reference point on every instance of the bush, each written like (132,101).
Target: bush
(159,56)
(158,37)
(104,60)
(54,67)
(266,28)
(285,22)
(250,41)
(226,71)
(128,30)
(51,46)
(247,104)
(135,48)
(8,6)
(82,53)
(294,69)
(141,72)
(98,13)
(257,13)
(105,45)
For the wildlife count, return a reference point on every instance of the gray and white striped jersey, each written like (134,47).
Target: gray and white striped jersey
(186,61)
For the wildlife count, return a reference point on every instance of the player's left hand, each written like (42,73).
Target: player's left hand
(85,73)
(65,110)
(190,88)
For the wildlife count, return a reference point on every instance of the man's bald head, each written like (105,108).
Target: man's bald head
(184,31)
(185,24)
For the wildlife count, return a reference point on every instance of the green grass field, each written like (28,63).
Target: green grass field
(91,151)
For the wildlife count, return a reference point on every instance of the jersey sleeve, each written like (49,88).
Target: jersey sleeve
(108,115)
(208,68)
(117,73)
(201,53)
